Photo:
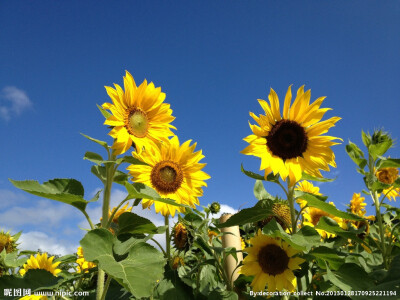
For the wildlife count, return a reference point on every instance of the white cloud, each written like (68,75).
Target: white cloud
(13,102)
(44,213)
(35,240)
(225,209)
(8,198)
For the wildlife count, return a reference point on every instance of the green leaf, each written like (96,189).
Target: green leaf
(259,191)
(306,176)
(313,201)
(104,144)
(105,113)
(130,160)
(100,172)
(138,272)
(379,149)
(33,279)
(332,256)
(140,190)
(222,295)
(172,287)
(366,138)
(356,155)
(132,223)
(350,277)
(247,215)
(388,163)
(69,191)
(270,177)
(94,157)
(11,259)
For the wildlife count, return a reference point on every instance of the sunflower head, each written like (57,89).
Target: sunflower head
(387,175)
(391,193)
(174,171)
(291,143)
(281,214)
(83,265)
(181,237)
(140,118)
(7,242)
(34,297)
(271,261)
(211,235)
(177,261)
(308,187)
(215,207)
(119,212)
(40,261)
(357,205)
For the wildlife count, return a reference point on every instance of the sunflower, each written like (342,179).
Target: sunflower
(392,193)
(40,261)
(119,212)
(7,242)
(308,187)
(34,297)
(271,261)
(312,215)
(177,261)
(357,205)
(387,175)
(139,115)
(281,214)
(83,265)
(293,143)
(174,171)
(181,237)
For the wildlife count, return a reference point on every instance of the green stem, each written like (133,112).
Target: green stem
(290,199)
(100,284)
(167,238)
(374,196)
(161,248)
(106,288)
(88,219)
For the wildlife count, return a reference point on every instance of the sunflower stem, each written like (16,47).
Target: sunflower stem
(290,198)
(167,238)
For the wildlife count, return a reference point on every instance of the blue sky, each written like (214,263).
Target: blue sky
(213,59)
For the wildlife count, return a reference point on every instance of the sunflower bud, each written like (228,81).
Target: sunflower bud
(215,207)
(181,237)
(177,261)
(7,242)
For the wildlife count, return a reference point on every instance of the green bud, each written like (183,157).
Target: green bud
(215,207)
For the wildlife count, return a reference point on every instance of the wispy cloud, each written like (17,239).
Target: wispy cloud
(13,102)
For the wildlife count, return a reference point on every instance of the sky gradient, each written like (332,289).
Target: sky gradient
(212,59)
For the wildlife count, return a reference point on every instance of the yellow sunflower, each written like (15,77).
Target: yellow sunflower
(34,297)
(271,261)
(387,175)
(83,265)
(312,215)
(139,115)
(307,187)
(7,241)
(392,193)
(293,143)
(357,205)
(174,171)
(40,261)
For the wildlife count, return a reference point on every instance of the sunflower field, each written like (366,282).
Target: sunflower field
(296,245)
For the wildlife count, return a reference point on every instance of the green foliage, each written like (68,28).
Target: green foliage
(140,259)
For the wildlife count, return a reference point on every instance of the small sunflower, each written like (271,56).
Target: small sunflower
(119,212)
(391,193)
(174,171)
(40,261)
(211,235)
(34,297)
(281,214)
(181,237)
(293,143)
(357,205)
(312,215)
(177,261)
(139,115)
(387,175)
(271,261)
(307,187)
(83,265)
(7,241)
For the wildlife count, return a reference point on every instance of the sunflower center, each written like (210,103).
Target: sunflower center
(273,259)
(166,177)
(287,139)
(138,123)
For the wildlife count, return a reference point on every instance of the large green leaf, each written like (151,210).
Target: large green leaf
(94,157)
(132,223)
(11,260)
(270,177)
(313,201)
(247,215)
(33,279)
(334,257)
(140,190)
(379,149)
(100,172)
(68,191)
(172,287)
(388,163)
(138,272)
(304,239)
(259,191)
(350,277)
